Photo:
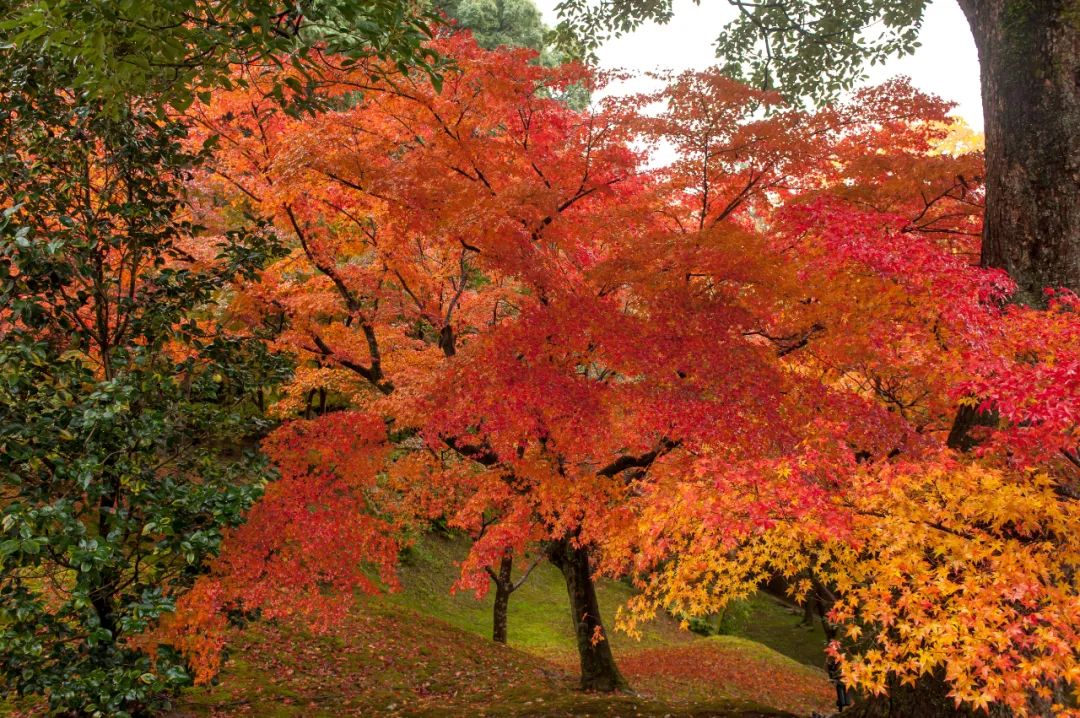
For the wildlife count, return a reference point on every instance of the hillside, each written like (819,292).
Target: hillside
(426,652)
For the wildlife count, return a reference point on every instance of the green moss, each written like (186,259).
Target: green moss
(777,625)
(425,651)
(1071,14)
(539,614)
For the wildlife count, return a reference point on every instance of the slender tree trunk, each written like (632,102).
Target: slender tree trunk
(807,613)
(598,669)
(103,585)
(1029,51)
(503,588)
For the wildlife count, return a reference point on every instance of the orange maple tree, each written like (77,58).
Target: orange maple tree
(952,549)
(745,363)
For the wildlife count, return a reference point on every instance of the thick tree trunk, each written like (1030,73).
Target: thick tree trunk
(503,588)
(929,698)
(598,669)
(1029,51)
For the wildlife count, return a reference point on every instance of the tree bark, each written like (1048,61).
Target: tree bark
(928,698)
(103,585)
(503,588)
(967,418)
(598,669)
(1029,52)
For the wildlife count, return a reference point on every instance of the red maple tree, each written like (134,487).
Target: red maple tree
(748,362)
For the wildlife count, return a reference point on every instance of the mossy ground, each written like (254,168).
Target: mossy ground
(427,652)
(778,625)
(539,612)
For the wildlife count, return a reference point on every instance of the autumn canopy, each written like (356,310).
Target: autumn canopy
(756,360)
(774,357)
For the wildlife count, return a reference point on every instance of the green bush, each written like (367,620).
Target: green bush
(734,618)
(124,407)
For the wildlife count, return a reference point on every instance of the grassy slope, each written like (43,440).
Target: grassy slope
(425,651)
(539,613)
(776,624)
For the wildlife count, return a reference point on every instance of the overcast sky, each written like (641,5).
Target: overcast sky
(945,65)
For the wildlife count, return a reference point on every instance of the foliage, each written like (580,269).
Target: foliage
(170,50)
(494,23)
(734,618)
(936,560)
(514,23)
(746,363)
(126,408)
(377,289)
(804,48)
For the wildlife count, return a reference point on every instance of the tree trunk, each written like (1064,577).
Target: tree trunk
(503,588)
(1029,54)
(103,585)
(598,669)
(967,418)
(1029,51)
(928,698)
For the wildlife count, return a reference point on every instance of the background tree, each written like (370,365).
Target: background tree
(516,23)
(1029,54)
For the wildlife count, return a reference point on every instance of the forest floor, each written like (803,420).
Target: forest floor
(427,652)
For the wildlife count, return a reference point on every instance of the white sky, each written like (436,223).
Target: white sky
(945,65)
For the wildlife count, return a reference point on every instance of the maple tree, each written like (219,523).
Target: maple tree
(579,370)
(935,562)
(743,364)
(437,216)
(776,355)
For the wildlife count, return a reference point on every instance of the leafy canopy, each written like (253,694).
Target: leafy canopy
(166,51)
(812,49)
(493,23)
(745,363)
